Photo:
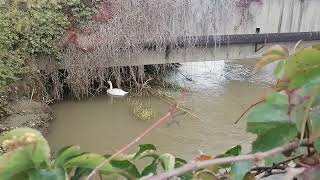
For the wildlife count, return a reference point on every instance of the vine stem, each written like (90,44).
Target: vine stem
(160,121)
(195,165)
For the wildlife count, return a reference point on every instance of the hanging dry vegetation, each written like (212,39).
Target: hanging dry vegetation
(99,38)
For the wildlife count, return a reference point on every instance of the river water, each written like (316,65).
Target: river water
(219,92)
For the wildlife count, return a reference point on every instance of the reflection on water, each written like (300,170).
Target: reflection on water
(220,91)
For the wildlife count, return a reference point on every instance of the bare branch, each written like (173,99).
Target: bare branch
(204,164)
(248,109)
(160,121)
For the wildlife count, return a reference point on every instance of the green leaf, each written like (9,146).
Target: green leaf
(305,79)
(277,50)
(234,151)
(26,149)
(298,117)
(280,70)
(143,148)
(168,161)
(268,59)
(277,98)
(275,53)
(317,145)
(240,169)
(125,168)
(274,137)
(151,168)
(90,161)
(179,162)
(315,123)
(265,117)
(55,174)
(305,59)
(80,173)
(65,154)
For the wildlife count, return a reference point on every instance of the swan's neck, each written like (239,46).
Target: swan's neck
(110,84)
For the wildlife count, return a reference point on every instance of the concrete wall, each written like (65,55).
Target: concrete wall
(272,16)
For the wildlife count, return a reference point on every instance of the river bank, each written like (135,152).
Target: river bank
(27,113)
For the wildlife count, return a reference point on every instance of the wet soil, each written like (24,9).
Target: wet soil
(26,113)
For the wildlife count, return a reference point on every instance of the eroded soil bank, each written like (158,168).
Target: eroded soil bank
(26,113)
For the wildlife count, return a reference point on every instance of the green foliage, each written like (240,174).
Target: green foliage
(27,154)
(79,11)
(29,28)
(10,67)
(291,111)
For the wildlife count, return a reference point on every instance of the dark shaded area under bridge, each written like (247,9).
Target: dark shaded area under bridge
(211,48)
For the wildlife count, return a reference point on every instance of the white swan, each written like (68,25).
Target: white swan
(115,91)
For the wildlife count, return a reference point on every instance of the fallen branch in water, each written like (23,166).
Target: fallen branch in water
(160,121)
(170,103)
(195,165)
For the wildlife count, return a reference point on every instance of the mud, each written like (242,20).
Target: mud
(25,113)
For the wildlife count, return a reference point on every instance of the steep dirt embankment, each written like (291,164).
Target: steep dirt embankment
(25,113)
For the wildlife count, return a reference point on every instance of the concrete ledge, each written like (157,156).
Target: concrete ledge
(218,40)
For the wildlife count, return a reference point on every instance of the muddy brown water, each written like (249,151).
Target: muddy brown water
(220,92)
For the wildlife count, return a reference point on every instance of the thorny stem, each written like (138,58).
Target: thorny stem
(275,166)
(204,164)
(160,121)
